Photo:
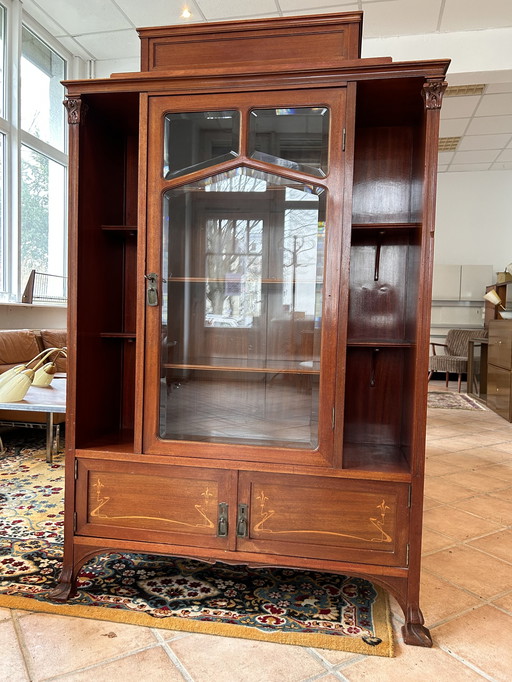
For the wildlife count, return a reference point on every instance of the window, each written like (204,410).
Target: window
(33,158)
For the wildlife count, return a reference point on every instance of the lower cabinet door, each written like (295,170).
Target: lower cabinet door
(156,503)
(499,391)
(324,518)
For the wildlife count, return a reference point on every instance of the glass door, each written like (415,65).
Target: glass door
(240,232)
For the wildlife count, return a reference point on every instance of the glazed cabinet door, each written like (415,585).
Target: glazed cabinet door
(159,503)
(323,518)
(243,253)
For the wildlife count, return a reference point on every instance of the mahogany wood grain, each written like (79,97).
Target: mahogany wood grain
(153,503)
(312,509)
(335,520)
(331,37)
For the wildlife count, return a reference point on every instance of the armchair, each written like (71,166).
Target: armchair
(455,353)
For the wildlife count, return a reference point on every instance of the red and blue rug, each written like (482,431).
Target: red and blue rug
(306,608)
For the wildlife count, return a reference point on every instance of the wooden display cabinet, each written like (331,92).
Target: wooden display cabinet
(251,240)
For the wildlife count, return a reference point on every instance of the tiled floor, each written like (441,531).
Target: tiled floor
(466,597)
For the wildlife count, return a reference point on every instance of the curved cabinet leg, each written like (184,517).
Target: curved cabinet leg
(66,587)
(414,631)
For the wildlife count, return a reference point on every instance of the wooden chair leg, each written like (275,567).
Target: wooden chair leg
(430,374)
(460,381)
(447,378)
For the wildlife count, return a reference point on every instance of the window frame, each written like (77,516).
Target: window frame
(11,286)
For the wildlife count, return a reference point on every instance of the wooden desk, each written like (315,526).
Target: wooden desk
(50,400)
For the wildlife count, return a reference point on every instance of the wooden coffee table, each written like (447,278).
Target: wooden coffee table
(50,400)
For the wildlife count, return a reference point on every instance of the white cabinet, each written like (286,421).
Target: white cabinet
(461,282)
(473,280)
(446,283)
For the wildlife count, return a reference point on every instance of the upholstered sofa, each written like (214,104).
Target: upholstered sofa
(18,346)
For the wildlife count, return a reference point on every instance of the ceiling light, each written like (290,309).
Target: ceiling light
(464,90)
(448,144)
(186,14)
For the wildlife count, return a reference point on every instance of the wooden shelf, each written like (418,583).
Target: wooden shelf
(239,365)
(265,280)
(119,228)
(119,441)
(118,335)
(380,343)
(368,457)
(384,226)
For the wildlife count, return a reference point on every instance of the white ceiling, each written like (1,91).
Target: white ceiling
(104,31)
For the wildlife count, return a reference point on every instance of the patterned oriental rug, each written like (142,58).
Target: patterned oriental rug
(453,401)
(306,608)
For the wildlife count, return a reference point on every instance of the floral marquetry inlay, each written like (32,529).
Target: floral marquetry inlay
(101,500)
(374,521)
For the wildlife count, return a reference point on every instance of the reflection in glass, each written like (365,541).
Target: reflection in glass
(294,138)
(241,310)
(199,139)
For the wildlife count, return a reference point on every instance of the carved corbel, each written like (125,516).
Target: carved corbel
(432,93)
(76,109)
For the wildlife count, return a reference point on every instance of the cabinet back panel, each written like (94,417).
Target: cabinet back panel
(378,272)
(382,174)
(374,394)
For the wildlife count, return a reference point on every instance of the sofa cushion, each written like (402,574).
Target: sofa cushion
(56,338)
(17,346)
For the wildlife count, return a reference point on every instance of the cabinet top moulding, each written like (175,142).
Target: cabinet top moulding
(326,37)
(240,78)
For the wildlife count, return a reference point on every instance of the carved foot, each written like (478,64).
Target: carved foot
(416,634)
(63,591)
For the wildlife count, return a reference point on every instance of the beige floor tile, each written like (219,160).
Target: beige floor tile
(505,494)
(336,657)
(457,524)
(433,542)
(497,544)
(505,602)
(440,600)
(488,507)
(430,503)
(445,491)
(482,638)
(440,465)
(451,444)
(59,644)
(416,664)
(485,438)
(207,658)
(12,666)
(505,447)
(477,480)
(152,665)
(491,455)
(502,472)
(464,460)
(5,614)
(465,567)
(435,450)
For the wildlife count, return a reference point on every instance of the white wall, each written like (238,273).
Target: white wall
(23,316)
(474,219)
